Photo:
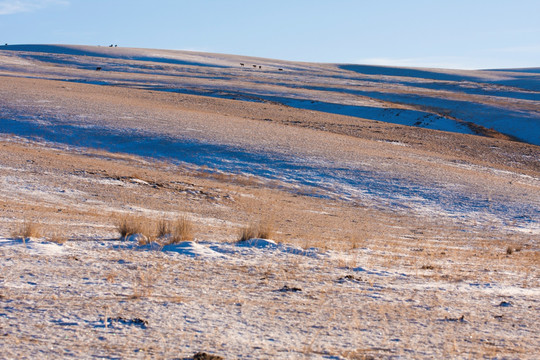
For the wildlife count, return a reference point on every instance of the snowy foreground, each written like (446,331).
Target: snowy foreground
(253,300)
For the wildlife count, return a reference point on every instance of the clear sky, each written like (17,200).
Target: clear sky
(466,34)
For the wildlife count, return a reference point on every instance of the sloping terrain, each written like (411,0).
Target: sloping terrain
(393,240)
(502,103)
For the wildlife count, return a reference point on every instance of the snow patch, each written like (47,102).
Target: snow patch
(138,238)
(35,246)
(258,244)
(193,249)
(270,245)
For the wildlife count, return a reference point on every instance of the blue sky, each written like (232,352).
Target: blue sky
(469,34)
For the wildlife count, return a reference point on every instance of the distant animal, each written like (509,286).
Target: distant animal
(260,67)
(115,45)
(98,68)
(241,64)
(111,45)
(280,69)
(254,66)
(6,44)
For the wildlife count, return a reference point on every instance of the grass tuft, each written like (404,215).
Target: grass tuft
(127,225)
(256,231)
(169,232)
(247,233)
(57,237)
(164,228)
(176,232)
(28,229)
(265,231)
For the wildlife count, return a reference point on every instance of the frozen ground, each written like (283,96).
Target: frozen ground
(503,101)
(361,182)
(392,241)
(115,299)
(406,286)
(292,158)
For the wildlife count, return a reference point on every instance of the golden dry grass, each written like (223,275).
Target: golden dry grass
(262,230)
(163,228)
(180,230)
(127,225)
(247,233)
(28,229)
(57,237)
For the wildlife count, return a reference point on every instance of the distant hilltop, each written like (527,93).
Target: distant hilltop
(502,103)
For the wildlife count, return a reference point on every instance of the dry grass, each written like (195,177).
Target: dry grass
(57,237)
(128,225)
(256,231)
(356,242)
(28,229)
(175,232)
(265,231)
(169,232)
(182,230)
(247,233)
(164,228)
(146,280)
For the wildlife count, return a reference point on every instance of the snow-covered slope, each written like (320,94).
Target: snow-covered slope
(449,100)
(382,240)
(487,102)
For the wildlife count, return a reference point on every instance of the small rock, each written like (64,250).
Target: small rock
(205,356)
(349,278)
(134,321)
(460,319)
(289,289)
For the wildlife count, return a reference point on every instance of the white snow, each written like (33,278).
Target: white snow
(255,299)
(193,249)
(258,243)
(271,245)
(34,246)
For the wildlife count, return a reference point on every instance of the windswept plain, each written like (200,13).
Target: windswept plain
(404,207)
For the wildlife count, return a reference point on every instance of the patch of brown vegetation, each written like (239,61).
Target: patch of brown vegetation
(27,229)
(178,231)
(127,225)
(261,230)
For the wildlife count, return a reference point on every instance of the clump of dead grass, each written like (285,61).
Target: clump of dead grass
(57,237)
(510,250)
(247,233)
(28,229)
(164,231)
(175,232)
(262,230)
(164,228)
(127,225)
(356,242)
